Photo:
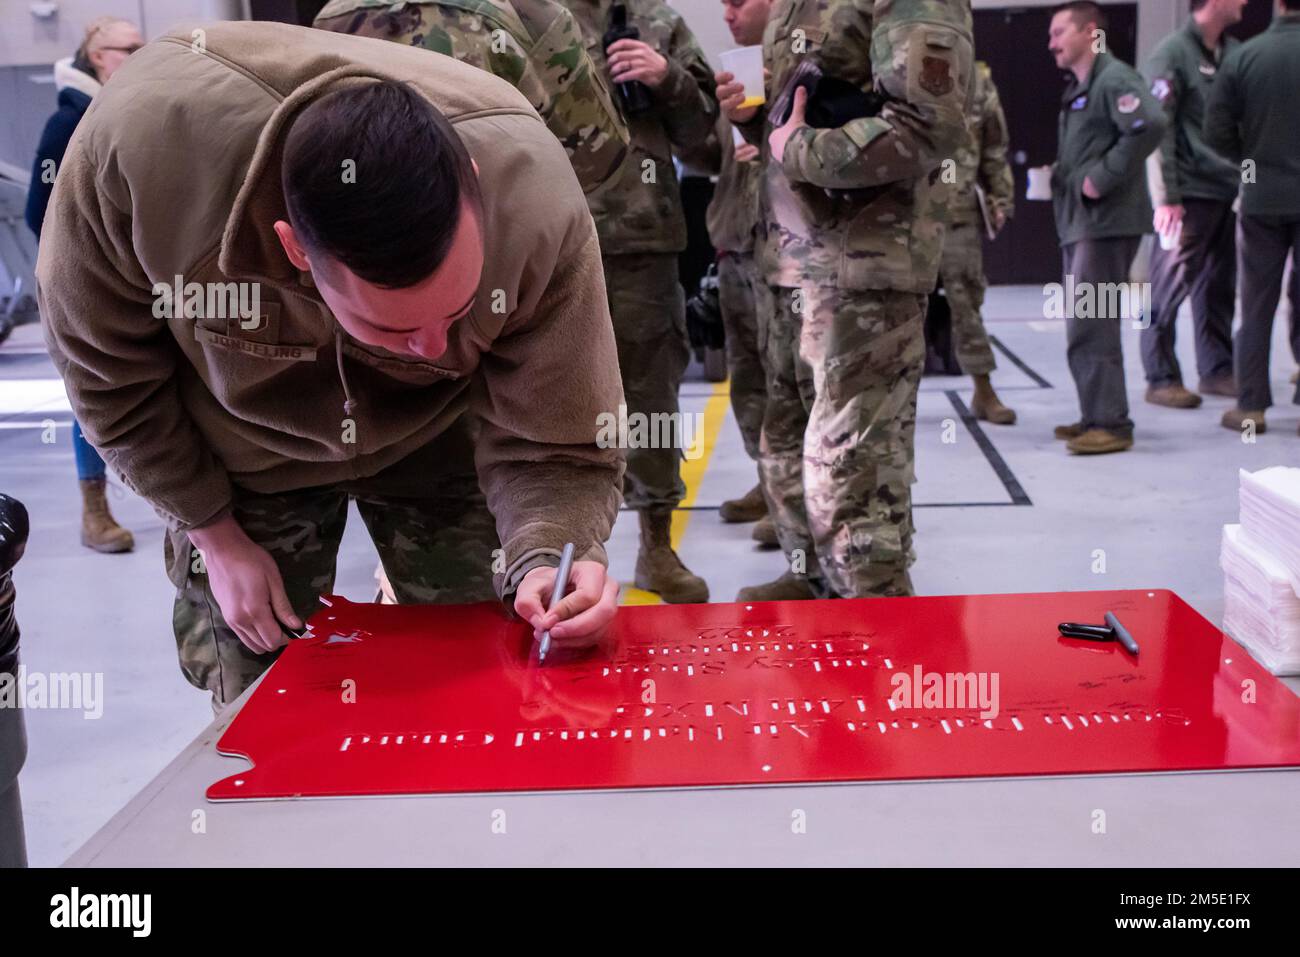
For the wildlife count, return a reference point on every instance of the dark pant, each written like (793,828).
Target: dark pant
(1094,350)
(1265,243)
(1203,266)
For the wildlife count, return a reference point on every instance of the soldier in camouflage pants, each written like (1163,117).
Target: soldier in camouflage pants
(426,516)
(843,371)
(964,284)
(981,163)
(853,224)
(642,228)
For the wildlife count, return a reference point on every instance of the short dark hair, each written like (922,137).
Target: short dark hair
(1197,4)
(1084,11)
(393,220)
(1291,4)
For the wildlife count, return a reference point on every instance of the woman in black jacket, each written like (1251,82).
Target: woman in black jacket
(107,44)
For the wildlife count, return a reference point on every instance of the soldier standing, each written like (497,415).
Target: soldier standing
(732,220)
(853,224)
(1193,189)
(533,44)
(983,199)
(1252,119)
(665,89)
(1109,124)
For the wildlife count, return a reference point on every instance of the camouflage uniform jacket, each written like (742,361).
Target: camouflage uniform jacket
(982,158)
(889,233)
(641,211)
(733,213)
(532,44)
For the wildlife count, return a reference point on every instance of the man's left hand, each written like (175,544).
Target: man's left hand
(634,60)
(781,135)
(1089,190)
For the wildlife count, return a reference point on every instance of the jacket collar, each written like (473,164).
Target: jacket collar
(1226,42)
(68,77)
(1075,89)
(249,247)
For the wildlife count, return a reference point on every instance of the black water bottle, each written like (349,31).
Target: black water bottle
(634,94)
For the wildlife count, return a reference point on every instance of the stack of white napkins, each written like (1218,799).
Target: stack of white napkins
(1261,569)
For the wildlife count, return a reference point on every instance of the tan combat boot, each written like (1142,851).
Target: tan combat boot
(658,569)
(1099,442)
(1071,431)
(986,406)
(750,507)
(98,528)
(765,533)
(789,587)
(1236,420)
(1173,396)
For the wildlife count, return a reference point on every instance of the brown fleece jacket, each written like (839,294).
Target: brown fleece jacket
(175,171)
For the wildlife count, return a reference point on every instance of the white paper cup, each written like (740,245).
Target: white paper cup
(1040,183)
(746,65)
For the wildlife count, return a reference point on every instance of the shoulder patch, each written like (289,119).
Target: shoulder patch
(1160,89)
(1128,103)
(936,76)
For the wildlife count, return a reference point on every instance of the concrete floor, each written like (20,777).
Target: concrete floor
(998,510)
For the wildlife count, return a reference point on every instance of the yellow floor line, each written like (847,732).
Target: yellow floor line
(693,469)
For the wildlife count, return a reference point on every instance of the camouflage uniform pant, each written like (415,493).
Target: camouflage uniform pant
(425,514)
(837,449)
(737,284)
(962,269)
(649,312)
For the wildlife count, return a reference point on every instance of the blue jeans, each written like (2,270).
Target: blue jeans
(89,464)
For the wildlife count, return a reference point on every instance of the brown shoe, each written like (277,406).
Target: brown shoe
(1224,385)
(789,587)
(658,569)
(750,507)
(99,530)
(987,407)
(1173,396)
(1072,431)
(765,533)
(1099,442)
(1237,419)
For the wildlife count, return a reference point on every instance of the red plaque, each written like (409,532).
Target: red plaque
(386,699)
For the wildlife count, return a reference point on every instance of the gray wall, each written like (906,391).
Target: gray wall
(29,45)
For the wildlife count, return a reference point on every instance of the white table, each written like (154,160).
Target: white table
(1235,818)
